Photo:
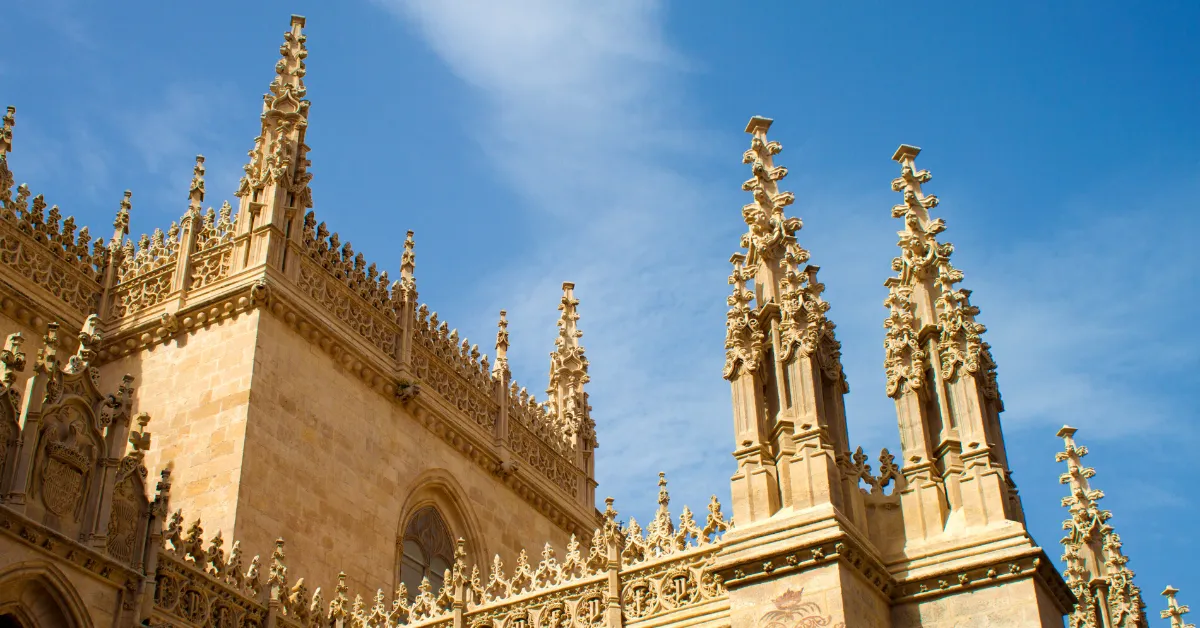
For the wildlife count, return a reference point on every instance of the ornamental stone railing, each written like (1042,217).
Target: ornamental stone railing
(48,255)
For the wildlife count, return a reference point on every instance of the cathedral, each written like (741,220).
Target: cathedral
(145,383)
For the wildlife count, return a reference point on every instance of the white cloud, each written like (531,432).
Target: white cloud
(578,114)
(168,132)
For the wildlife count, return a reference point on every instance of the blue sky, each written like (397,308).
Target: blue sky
(601,143)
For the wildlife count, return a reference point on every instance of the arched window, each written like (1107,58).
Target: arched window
(426,550)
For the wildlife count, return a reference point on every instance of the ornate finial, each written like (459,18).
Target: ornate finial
(6,175)
(89,342)
(277,578)
(140,439)
(121,222)
(47,360)
(6,131)
(565,397)
(194,544)
(1175,611)
(460,561)
(568,329)
(501,366)
(408,265)
(661,530)
(715,523)
(196,191)
(12,359)
(611,527)
(162,492)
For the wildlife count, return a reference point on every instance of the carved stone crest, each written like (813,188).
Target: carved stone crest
(68,461)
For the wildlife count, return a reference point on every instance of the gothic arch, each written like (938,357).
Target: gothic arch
(38,595)
(438,489)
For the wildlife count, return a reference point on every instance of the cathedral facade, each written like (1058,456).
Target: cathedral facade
(156,447)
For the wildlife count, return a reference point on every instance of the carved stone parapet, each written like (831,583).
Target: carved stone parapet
(70,288)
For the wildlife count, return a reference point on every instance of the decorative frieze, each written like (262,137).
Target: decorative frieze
(340,302)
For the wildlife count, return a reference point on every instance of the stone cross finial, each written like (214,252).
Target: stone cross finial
(6,131)
(1175,611)
(12,359)
(196,191)
(663,497)
(140,438)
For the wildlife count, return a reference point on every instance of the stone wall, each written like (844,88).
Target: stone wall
(197,388)
(336,466)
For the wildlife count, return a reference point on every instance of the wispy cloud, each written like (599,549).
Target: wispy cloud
(581,112)
(579,116)
(168,131)
(63,17)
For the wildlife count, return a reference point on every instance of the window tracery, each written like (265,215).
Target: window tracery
(427,550)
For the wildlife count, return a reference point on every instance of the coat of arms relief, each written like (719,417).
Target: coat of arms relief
(68,453)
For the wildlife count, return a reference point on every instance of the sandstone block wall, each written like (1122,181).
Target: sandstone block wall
(332,464)
(196,388)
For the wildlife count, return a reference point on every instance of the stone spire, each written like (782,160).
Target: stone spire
(275,190)
(941,374)
(1097,571)
(196,191)
(781,355)
(1175,611)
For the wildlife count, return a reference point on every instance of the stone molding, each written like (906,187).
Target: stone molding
(266,290)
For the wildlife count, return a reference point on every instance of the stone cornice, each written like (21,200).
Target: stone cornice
(841,548)
(267,290)
(775,549)
(86,560)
